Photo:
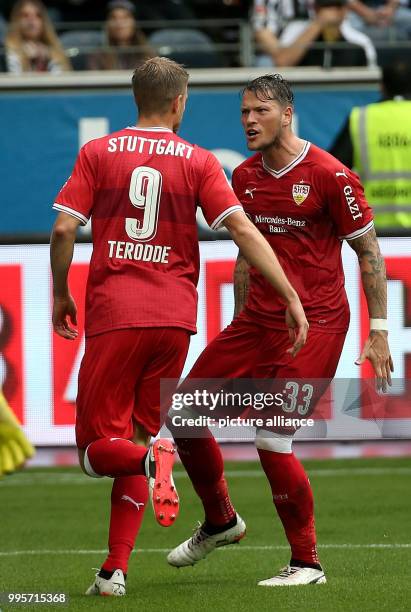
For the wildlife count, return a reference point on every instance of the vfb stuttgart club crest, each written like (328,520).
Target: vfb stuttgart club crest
(300,193)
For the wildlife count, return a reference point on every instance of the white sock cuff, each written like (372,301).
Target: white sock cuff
(88,467)
(186,412)
(270,441)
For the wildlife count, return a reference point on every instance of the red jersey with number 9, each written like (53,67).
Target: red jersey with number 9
(141,188)
(304,210)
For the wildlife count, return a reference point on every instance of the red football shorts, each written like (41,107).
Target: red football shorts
(119,380)
(247,350)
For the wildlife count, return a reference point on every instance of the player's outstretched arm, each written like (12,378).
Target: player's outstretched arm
(259,254)
(241,283)
(61,253)
(374,283)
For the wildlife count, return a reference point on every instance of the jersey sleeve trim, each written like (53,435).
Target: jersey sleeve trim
(70,211)
(226,213)
(359,232)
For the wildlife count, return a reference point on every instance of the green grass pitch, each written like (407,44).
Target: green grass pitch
(363,514)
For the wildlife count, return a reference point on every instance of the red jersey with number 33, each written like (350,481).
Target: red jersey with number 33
(141,188)
(304,211)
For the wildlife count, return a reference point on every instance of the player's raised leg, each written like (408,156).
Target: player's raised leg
(169,349)
(203,461)
(108,410)
(112,366)
(229,355)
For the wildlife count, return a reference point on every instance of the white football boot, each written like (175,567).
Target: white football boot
(114,586)
(201,544)
(295,576)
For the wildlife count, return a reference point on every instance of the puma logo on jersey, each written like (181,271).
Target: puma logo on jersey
(341,174)
(352,204)
(250,192)
(280,497)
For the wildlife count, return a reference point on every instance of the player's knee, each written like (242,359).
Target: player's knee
(177,417)
(141,435)
(274,442)
(86,465)
(81,452)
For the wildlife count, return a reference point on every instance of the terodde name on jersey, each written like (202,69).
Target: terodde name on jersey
(149,146)
(119,249)
(352,204)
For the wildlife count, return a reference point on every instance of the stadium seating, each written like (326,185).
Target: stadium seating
(3,28)
(79,43)
(187,46)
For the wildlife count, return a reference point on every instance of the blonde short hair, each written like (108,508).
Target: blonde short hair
(156,83)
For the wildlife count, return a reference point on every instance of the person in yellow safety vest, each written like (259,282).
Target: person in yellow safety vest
(376,142)
(15,448)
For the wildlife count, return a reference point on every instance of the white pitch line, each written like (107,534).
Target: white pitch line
(240,548)
(51,479)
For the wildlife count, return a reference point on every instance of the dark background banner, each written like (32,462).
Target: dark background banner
(41,134)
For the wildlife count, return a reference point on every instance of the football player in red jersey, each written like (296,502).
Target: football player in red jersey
(305,202)
(141,187)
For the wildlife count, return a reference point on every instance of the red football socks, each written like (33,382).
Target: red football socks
(116,457)
(204,464)
(293,499)
(128,501)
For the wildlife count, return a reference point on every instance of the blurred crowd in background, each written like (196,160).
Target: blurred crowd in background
(58,36)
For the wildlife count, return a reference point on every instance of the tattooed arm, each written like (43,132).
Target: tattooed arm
(241,282)
(373,276)
(374,283)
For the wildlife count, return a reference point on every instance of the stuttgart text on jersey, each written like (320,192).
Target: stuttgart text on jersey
(149,146)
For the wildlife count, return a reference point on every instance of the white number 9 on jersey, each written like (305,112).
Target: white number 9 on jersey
(144,193)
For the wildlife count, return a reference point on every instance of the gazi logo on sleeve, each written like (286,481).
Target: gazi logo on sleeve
(352,204)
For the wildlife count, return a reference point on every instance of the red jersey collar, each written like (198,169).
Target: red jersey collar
(279,173)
